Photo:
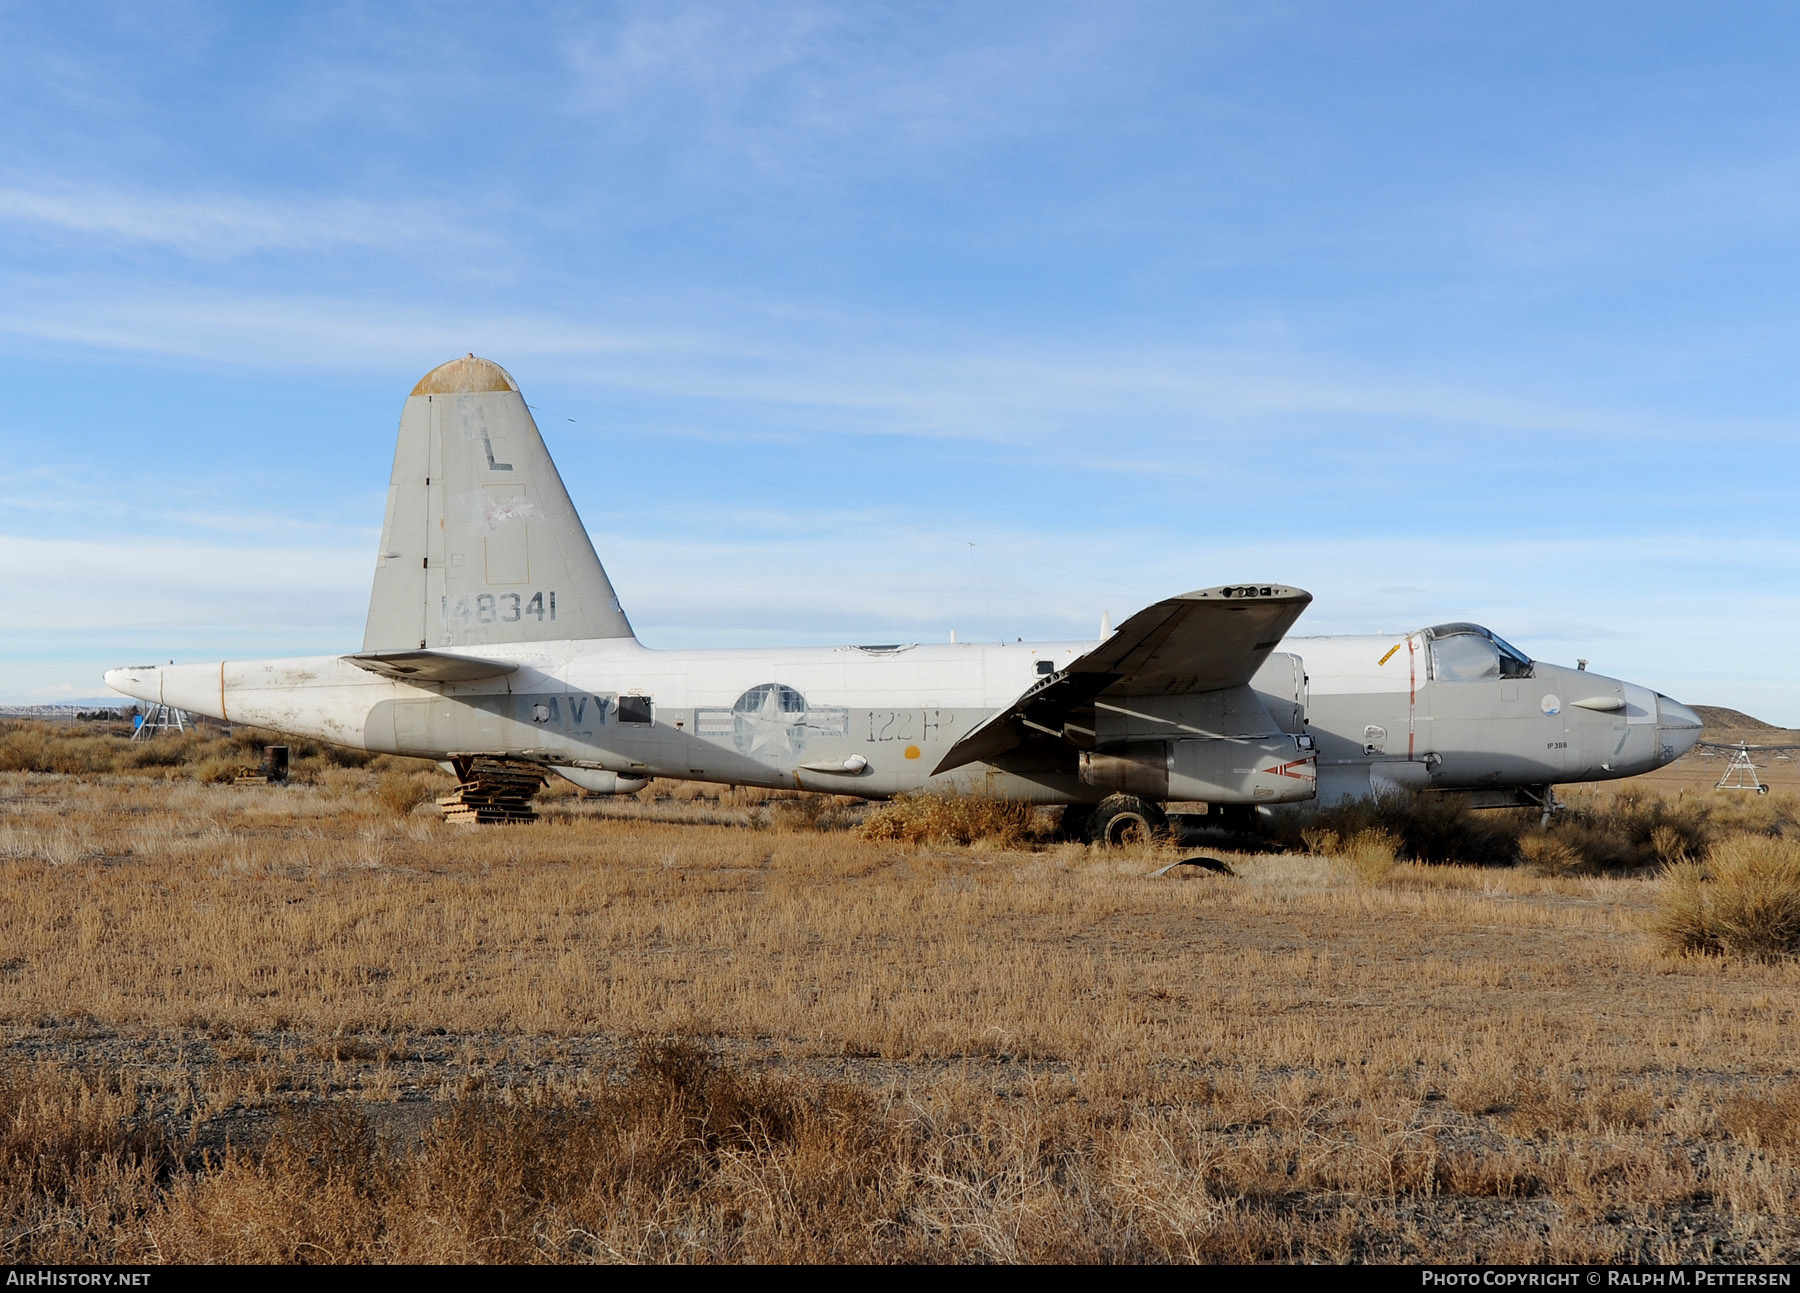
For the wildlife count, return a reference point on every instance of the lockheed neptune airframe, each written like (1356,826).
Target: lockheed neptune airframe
(494,633)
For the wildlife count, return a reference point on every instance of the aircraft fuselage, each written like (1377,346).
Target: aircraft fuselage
(875,721)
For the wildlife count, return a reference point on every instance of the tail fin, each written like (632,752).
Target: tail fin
(481,543)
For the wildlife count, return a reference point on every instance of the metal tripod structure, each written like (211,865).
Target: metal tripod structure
(160,718)
(1740,769)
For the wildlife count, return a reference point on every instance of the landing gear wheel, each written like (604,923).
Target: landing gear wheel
(1121,820)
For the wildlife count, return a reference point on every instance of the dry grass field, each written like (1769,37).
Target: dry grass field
(315,1024)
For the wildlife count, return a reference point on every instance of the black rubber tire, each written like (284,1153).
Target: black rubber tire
(1120,820)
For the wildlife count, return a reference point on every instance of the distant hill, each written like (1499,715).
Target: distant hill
(1717,716)
(1734,727)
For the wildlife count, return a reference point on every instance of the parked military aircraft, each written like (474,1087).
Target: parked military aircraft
(494,633)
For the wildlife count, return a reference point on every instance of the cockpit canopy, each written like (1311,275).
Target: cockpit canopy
(1470,653)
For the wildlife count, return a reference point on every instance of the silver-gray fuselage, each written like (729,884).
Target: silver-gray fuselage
(874,721)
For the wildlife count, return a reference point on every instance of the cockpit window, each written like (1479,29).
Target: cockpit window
(1464,658)
(1468,652)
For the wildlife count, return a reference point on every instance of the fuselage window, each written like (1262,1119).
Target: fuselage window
(1514,663)
(635,709)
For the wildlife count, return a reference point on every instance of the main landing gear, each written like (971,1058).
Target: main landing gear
(1120,820)
(1115,821)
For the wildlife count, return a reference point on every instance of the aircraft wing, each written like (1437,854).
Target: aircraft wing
(429,666)
(1197,642)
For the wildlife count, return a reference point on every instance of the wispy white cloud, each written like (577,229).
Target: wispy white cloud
(147,581)
(297,332)
(220,226)
(948,385)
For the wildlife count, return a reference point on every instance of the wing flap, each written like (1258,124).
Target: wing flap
(1200,641)
(429,666)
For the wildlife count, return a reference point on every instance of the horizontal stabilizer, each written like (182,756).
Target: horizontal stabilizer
(429,666)
(1182,646)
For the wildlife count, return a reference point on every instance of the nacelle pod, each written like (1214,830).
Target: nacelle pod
(1260,770)
(596,782)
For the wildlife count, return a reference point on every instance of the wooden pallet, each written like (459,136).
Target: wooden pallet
(495,794)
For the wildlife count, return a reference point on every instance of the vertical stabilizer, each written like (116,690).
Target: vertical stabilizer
(481,543)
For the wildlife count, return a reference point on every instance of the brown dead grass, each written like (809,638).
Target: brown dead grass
(893,1050)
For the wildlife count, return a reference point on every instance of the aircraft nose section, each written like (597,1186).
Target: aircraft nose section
(1677,727)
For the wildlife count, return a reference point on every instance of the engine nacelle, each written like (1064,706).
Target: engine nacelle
(1246,770)
(594,781)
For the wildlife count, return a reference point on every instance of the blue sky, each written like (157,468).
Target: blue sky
(866,323)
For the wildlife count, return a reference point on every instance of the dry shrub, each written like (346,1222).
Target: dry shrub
(401,792)
(1625,833)
(24,749)
(157,752)
(204,752)
(1630,832)
(1369,856)
(689,1159)
(79,1162)
(1550,854)
(1770,1123)
(220,771)
(1671,846)
(80,750)
(684,1159)
(1321,840)
(313,1194)
(1776,815)
(952,819)
(1434,827)
(805,812)
(1744,901)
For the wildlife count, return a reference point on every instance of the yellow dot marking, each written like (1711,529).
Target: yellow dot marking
(912,751)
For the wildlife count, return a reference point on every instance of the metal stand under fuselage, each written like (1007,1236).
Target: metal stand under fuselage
(160,718)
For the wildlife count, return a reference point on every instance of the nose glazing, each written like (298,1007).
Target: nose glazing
(1677,728)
